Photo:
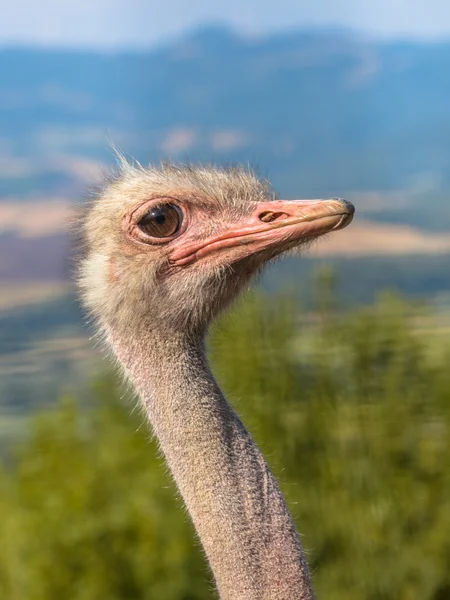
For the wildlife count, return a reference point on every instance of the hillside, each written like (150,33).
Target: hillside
(320,112)
(323,113)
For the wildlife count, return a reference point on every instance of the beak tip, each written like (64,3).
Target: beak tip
(348,206)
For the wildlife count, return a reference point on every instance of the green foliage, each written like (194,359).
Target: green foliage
(90,512)
(352,411)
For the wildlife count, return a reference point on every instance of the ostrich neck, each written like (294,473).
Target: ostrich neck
(234,501)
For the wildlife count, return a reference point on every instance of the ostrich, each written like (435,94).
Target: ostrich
(166,249)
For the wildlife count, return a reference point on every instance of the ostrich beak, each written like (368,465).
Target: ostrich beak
(275,225)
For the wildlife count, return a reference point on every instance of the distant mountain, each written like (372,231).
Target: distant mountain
(321,112)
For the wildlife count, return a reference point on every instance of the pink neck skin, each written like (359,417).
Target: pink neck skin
(233,499)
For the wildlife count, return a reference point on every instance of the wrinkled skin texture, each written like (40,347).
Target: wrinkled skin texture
(153,300)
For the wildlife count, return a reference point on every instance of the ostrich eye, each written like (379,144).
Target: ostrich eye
(161,221)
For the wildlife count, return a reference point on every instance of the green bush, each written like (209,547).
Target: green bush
(352,410)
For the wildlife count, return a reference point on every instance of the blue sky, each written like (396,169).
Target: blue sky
(125,23)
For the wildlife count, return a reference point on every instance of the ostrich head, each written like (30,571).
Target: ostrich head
(169,247)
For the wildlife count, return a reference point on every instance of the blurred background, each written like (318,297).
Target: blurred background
(338,362)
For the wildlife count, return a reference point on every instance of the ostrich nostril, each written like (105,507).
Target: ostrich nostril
(268,216)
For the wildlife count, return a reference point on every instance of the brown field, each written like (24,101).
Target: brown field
(19,294)
(366,238)
(38,249)
(44,217)
(362,238)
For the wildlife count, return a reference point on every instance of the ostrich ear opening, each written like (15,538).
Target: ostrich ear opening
(272,225)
